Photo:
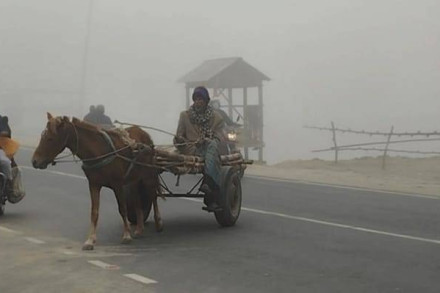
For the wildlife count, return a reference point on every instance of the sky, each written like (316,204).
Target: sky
(361,64)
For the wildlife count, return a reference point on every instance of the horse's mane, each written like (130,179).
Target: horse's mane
(115,133)
(85,125)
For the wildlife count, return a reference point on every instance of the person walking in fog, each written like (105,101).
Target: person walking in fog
(90,117)
(102,119)
(97,116)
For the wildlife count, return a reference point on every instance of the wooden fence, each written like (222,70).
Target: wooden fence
(384,144)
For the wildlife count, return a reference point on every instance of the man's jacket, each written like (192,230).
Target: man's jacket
(192,133)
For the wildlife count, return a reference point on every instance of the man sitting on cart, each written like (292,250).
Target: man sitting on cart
(199,133)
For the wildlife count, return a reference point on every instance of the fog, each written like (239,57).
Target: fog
(362,64)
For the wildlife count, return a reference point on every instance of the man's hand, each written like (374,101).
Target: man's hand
(203,141)
(178,139)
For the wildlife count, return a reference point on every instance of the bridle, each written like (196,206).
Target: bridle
(73,153)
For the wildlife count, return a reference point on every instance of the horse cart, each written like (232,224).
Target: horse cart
(228,196)
(127,161)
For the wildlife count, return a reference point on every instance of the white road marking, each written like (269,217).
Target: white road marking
(34,240)
(4,229)
(141,279)
(279,180)
(68,252)
(320,222)
(55,173)
(343,187)
(103,265)
(314,220)
(350,227)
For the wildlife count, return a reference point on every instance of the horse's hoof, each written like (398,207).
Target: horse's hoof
(159,228)
(126,241)
(87,247)
(137,235)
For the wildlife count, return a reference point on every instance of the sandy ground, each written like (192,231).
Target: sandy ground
(401,174)
(408,175)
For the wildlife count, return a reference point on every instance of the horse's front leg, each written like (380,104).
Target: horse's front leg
(122,207)
(94,196)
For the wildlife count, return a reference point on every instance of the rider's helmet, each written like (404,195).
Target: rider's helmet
(5,130)
(215,104)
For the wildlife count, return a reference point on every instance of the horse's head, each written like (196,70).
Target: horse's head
(52,142)
(5,130)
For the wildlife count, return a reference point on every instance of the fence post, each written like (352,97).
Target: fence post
(386,147)
(334,141)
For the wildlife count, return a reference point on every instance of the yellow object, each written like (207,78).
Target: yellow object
(9,146)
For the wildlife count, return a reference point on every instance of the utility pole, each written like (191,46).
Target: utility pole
(85,59)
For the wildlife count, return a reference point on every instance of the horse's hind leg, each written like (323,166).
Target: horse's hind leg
(157,217)
(94,195)
(122,206)
(139,210)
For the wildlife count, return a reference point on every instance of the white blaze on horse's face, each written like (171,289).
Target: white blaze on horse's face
(52,142)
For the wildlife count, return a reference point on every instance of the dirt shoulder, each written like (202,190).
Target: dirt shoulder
(408,175)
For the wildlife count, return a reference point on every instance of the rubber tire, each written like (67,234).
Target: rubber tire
(2,208)
(2,205)
(131,211)
(230,197)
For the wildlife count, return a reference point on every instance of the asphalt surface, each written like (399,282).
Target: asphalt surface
(291,237)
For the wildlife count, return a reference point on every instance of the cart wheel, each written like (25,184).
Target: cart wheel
(241,172)
(2,207)
(230,197)
(131,211)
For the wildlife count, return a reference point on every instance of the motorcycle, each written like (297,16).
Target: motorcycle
(231,143)
(3,196)
(18,192)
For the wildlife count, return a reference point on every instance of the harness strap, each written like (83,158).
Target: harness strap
(104,161)
(133,162)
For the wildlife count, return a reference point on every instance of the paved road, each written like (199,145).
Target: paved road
(291,237)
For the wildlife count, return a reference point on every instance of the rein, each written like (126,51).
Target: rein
(107,157)
(159,130)
(115,153)
(74,153)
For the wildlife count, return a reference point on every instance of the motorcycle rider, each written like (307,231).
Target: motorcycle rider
(5,161)
(8,165)
(215,104)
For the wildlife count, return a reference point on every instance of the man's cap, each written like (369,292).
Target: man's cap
(202,92)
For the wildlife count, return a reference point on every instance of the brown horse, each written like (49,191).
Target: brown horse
(104,167)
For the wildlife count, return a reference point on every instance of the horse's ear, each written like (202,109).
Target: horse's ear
(52,125)
(49,116)
(4,119)
(65,119)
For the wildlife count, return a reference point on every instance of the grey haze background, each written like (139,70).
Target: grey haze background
(362,64)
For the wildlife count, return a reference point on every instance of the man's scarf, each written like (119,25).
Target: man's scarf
(202,119)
